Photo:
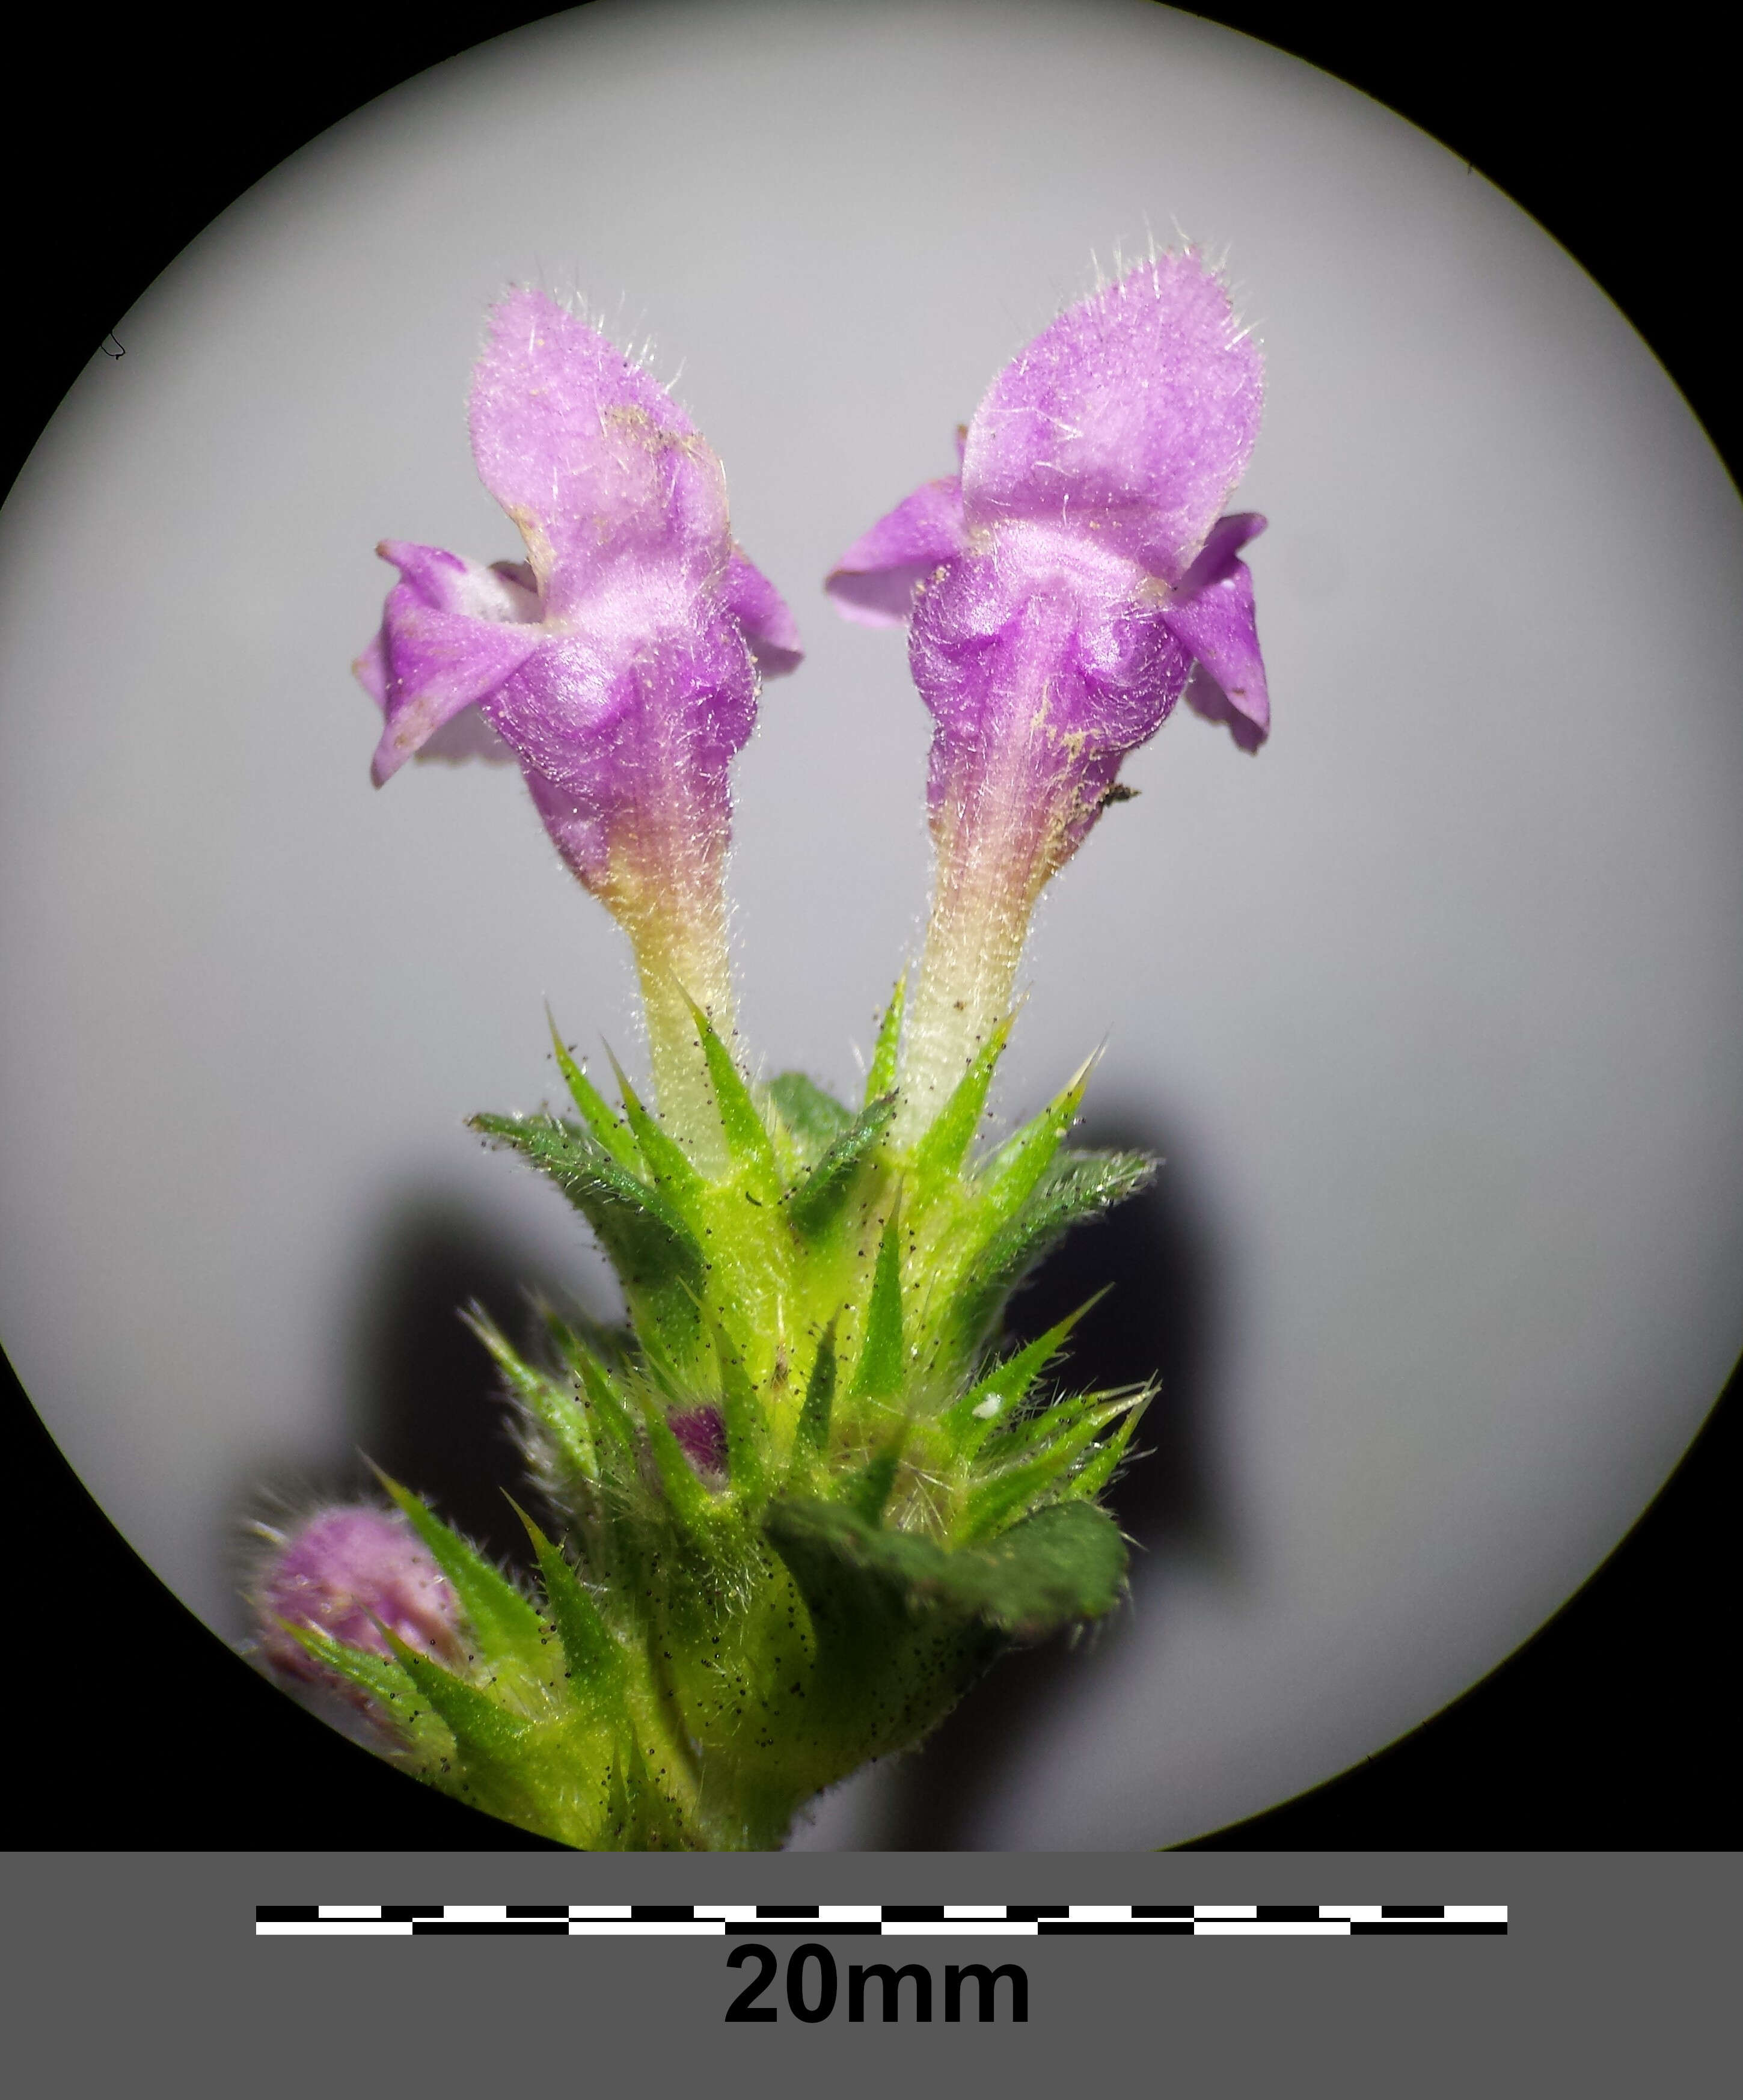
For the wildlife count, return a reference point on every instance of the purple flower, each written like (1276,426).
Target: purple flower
(618,662)
(1062,591)
(347,1572)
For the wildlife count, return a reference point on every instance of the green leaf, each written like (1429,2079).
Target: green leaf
(881,1078)
(1067,1562)
(595,1663)
(666,1159)
(883,1357)
(653,1251)
(595,1112)
(501,1618)
(815,1118)
(610,1198)
(748,1142)
(944,1144)
(556,1411)
(1077,1185)
(819,1396)
(815,1202)
(891,1659)
(482,1726)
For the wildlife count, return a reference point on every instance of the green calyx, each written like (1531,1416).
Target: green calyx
(801,1503)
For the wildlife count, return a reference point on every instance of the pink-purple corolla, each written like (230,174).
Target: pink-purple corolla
(1062,591)
(618,662)
(347,1571)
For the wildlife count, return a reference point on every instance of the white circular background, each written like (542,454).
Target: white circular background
(1436,1000)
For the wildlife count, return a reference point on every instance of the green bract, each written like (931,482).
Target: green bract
(803,1501)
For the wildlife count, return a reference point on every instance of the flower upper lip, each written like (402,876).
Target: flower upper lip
(1099,461)
(622,506)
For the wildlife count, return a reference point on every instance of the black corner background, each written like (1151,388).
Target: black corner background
(1607,1731)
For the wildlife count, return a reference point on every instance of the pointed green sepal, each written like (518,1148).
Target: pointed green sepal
(482,1727)
(607,1412)
(1077,1185)
(501,1619)
(657,1257)
(991,1404)
(945,1144)
(880,1079)
(666,1159)
(563,1422)
(595,1111)
(646,1812)
(1034,1427)
(594,1661)
(813,1436)
(1010,1176)
(1105,1460)
(882,1355)
(378,1676)
(1004,1495)
(748,1142)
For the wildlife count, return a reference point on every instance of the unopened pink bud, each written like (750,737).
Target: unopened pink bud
(702,1433)
(347,1572)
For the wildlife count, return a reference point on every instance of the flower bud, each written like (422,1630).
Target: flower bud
(347,1572)
(701,1432)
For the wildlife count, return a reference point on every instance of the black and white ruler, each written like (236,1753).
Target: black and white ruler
(878,1921)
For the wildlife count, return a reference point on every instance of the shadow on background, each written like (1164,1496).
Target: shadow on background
(1158,1321)
(428,1408)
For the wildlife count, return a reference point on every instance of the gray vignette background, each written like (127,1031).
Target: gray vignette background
(1433,1007)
